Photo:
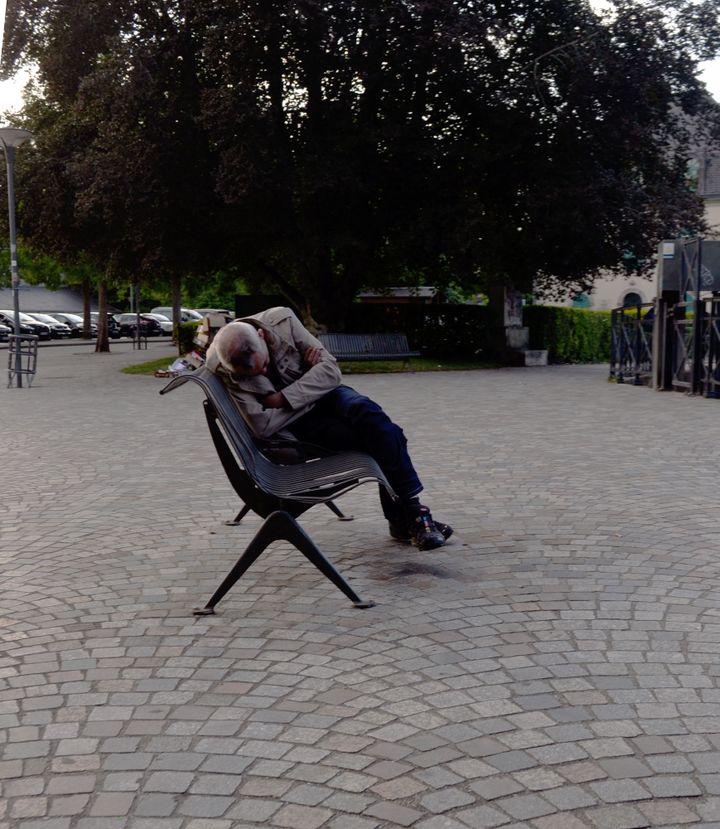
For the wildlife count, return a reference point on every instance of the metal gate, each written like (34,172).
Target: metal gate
(690,351)
(631,344)
(674,343)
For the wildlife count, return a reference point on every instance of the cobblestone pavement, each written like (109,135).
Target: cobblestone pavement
(556,666)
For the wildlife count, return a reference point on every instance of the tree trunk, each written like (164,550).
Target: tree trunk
(175,287)
(87,333)
(103,341)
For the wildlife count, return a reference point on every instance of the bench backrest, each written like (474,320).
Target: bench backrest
(316,481)
(370,344)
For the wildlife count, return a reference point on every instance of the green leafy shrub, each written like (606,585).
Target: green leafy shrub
(570,335)
(186,334)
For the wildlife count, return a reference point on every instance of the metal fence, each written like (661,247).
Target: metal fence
(687,349)
(631,344)
(692,346)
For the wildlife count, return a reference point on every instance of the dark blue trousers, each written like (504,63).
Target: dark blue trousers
(345,420)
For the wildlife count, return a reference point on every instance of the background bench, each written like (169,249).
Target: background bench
(368,346)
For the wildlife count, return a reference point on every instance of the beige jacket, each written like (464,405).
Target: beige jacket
(287,341)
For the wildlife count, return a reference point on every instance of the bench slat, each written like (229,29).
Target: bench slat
(368,346)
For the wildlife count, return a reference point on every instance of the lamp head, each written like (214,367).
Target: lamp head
(14,137)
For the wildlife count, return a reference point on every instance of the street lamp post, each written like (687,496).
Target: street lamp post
(11,138)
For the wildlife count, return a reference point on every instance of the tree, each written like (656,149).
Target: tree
(493,142)
(323,146)
(120,165)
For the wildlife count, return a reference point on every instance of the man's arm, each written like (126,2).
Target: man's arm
(321,371)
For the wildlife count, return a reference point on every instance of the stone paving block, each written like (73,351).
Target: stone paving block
(483,817)
(570,798)
(209,806)
(672,786)
(111,804)
(525,806)
(616,817)
(668,813)
(253,810)
(399,788)
(394,814)
(155,805)
(301,817)
(68,804)
(446,799)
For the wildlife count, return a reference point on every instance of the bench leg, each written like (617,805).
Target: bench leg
(278,526)
(333,507)
(239,517)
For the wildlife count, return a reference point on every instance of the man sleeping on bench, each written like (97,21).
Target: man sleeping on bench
(286,383)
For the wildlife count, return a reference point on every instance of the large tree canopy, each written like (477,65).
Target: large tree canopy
(323,146)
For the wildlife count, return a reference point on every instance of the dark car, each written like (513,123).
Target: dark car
(59,330)
(128,324)
(5,332)
(76,323)
(112,324)
(27,325)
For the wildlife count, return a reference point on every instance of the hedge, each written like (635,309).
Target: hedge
(570,335)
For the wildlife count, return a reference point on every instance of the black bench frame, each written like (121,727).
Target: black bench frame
(278,492)
(354,347)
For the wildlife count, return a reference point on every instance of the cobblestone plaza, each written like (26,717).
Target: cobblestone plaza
(555,666)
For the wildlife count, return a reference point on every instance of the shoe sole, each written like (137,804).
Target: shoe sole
(446,533)
(433,545)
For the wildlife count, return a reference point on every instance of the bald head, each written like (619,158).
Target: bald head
(241,349)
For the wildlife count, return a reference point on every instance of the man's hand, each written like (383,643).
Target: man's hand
(312,357)
(274,400)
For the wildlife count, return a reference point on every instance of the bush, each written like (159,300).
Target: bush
(186,334)
(570,335)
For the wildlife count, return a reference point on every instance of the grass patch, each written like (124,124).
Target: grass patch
(150,366)
(416,364)
(361,367)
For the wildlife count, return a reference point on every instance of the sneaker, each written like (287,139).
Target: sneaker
(423,532)
(400,532)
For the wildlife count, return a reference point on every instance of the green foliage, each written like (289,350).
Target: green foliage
(570,335)
(186,333)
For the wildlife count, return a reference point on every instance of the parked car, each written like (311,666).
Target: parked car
(28,325)
(5,332)
(186,314)
(112,324)
(165,323)
(76,323)
(59,330)
(149,327)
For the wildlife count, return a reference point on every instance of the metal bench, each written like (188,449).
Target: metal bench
(368,346)
(277,491)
